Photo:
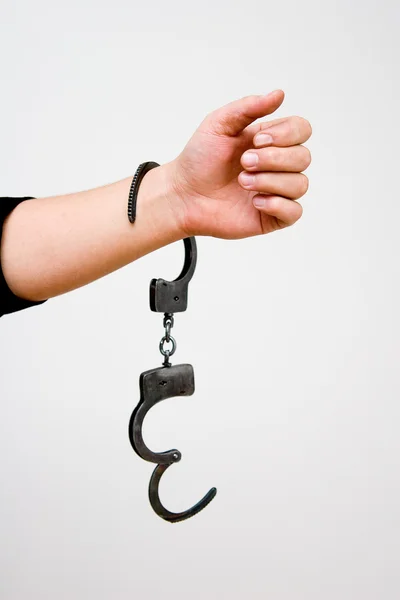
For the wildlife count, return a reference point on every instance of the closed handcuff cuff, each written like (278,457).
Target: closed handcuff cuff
(169,380)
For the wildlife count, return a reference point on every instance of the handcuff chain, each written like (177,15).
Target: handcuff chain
(168,323)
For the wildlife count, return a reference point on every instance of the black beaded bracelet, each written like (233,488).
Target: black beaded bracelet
(141,171)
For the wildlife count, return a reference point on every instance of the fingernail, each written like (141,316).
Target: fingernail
(258,201)
(250,159)
(247,179)
(263,139)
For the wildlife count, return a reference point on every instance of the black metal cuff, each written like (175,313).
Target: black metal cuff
(141,171)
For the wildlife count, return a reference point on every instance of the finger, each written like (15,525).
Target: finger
(231,119)
(284,132)
(289,185)
(285,211)
(255,128)
(294,159)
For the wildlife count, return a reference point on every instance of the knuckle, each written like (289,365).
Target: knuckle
(299,211)
(306,157)
(309,128)
(306,127)
(301,127)
(304,184)
(274,157)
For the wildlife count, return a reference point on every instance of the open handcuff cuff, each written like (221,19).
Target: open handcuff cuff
(169,380)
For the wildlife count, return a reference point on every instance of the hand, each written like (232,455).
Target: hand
(208,177)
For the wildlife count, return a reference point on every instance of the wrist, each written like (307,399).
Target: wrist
(163,204)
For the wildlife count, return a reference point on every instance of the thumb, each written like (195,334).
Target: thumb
(232,118)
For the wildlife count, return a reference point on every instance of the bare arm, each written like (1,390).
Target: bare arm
(53,245)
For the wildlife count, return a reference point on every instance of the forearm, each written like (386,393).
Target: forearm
(53,245)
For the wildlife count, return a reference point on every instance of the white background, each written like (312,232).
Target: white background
(294,337)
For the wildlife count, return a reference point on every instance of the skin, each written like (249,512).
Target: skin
(53,245)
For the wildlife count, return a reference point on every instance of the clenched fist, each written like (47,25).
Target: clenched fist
(236,178)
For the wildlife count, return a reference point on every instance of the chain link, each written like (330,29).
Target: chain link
(168,323)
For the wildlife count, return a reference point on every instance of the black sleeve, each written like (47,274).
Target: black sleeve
(9,302)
